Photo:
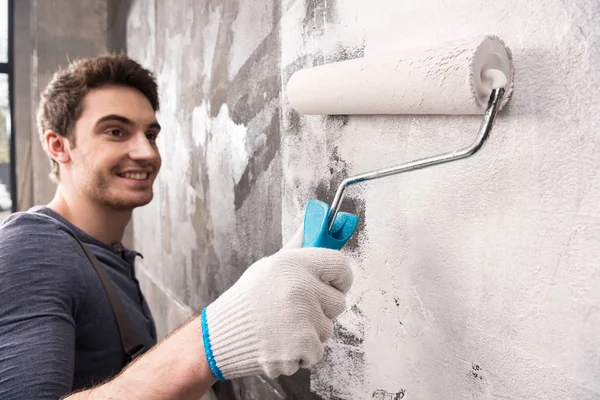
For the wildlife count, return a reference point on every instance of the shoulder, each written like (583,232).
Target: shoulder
(34,230)
(35,246)
(21,225)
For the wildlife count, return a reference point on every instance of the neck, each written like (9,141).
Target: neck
(101,222)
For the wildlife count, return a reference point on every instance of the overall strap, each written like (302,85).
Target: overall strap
(131,345)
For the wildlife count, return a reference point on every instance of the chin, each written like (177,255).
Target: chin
(128,203)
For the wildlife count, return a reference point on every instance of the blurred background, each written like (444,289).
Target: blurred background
(6,172)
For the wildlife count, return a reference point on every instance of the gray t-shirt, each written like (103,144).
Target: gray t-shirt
(57,330)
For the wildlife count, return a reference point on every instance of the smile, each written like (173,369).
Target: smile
(138,176)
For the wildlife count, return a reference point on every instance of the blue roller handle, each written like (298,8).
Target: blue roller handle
(316,233)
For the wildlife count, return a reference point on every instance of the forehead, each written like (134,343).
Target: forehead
(116,99)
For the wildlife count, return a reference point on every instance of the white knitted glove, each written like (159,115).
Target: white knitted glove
(277,316)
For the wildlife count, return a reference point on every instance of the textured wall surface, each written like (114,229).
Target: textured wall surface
(218,197)
(478,279)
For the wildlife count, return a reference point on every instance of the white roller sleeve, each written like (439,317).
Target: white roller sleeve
(453,78)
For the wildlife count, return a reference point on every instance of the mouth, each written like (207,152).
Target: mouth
(137,176)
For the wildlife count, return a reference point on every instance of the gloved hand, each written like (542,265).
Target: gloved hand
(277,316)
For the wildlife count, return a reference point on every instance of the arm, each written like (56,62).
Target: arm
(272,321)
(36,353)
(39,294)
(176,368)
(37,330)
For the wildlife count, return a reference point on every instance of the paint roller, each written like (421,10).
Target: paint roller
(472,76)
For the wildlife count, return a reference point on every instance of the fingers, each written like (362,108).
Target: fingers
(311,353)
(324,327)
(314,353)
(330,266)
(333,302)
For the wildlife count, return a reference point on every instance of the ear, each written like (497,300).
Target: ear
(57,146)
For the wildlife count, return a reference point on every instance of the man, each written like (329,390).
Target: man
(61,330)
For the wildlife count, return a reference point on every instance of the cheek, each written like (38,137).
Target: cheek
(82,161)
(99,162)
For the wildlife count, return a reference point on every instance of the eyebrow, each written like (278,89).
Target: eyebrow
(126,121)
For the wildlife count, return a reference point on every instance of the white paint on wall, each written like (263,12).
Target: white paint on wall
(317,35)
(295,38)
(210,34)
(473,280)
(201,124)
(226,160)
(140,24)
(477,279)
(253,22)
(305,155)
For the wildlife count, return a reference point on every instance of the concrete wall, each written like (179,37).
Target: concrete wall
(477,279)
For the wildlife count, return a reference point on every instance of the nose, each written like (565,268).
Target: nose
(142,149)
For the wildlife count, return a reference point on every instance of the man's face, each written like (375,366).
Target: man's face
(115,159)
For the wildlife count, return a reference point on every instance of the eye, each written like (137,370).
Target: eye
(115,132)
(151,136)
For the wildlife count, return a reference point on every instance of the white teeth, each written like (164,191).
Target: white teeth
(140,176)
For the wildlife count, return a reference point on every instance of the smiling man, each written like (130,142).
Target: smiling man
(72,316)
